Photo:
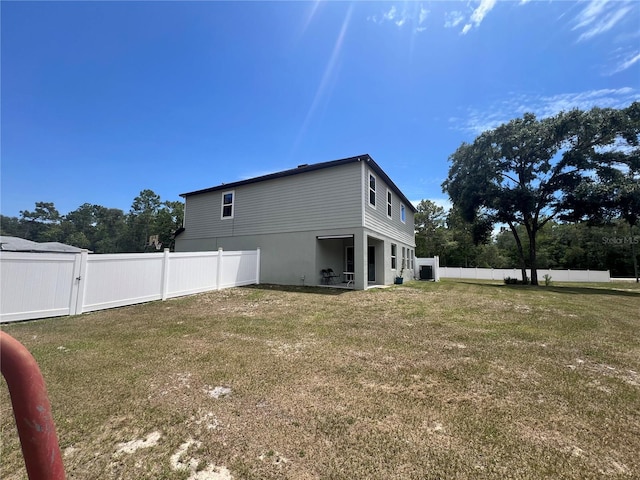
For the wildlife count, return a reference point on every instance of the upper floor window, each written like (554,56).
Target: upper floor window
(372,190)
(389,203)
(227,205)
(403,214)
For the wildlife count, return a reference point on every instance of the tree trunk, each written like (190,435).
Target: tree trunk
(533,262)
(633,254)
(523,263)
(635,260)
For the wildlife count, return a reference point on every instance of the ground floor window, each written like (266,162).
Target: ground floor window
(394,251)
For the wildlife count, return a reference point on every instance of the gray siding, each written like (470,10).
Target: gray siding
(376,219)
(321,199)
(285,258)
(284,216)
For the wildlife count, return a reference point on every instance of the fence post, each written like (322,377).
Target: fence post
(75,284)
(80,282)
(219,269)
(258,266)
(165,274)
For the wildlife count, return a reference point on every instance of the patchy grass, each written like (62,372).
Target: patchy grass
(425,380)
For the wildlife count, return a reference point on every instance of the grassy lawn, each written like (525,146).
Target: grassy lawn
(426,380)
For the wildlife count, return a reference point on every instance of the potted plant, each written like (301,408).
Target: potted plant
(399,278)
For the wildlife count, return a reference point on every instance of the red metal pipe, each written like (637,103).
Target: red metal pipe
(32,411)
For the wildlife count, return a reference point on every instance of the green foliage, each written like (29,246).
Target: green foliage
(430,227)
(575,246)
(547,279)
(527,172)
(614,190)
(456,241)
(101,229)
(11,226)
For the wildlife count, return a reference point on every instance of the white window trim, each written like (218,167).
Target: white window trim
(403,213)
(369,190)
(233,204)
(394,257)
(389,204)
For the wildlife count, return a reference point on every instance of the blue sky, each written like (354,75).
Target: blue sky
(101,100)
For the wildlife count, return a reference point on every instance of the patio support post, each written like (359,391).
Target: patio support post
(360,260)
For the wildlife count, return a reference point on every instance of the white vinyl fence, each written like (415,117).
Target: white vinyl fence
(502,273)
(39,285)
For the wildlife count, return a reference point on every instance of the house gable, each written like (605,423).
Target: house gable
(323,196)
(366,158)
(315,199)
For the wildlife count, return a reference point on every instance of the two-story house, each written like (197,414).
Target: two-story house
(345,215)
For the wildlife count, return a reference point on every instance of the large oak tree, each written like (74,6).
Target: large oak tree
(525,172)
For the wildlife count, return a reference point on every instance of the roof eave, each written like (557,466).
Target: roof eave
(284,173)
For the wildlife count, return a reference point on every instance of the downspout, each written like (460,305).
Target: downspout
(184,213)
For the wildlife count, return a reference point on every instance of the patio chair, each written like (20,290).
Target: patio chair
(324,279)
(333,277)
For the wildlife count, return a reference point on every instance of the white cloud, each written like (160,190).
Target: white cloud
(401,18)
(478,14)
(445,203)
(422,16)
(600,16)
(453,19)
(628,62)
(391,14)
(590,13)
(478,121)
(606,97)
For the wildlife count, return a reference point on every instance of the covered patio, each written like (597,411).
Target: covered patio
(336,261)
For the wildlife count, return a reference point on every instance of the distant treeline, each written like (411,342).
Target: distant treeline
(560,245)
(579,245)
(101,229)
